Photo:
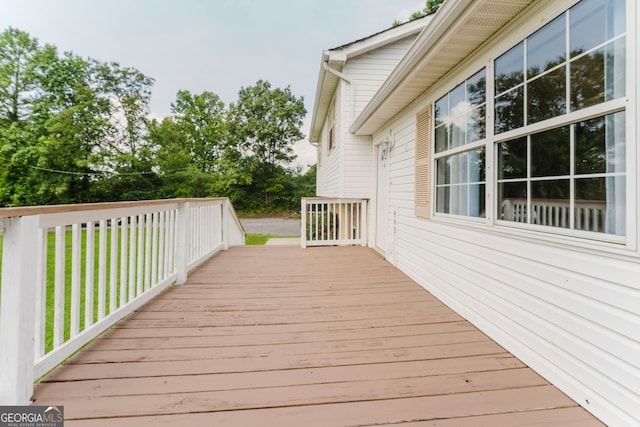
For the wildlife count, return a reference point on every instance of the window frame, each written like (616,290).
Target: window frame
(570,117)
(465,147)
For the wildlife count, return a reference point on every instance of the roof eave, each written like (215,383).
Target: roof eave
(337,57)
(447,22)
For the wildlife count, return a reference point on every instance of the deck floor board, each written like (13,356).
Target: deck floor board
(289,336)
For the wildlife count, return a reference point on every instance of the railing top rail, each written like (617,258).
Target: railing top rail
(53,209)
(328,199)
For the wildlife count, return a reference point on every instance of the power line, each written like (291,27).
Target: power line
(101,173)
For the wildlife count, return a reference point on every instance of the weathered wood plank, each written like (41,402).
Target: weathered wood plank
(364,412)
(316,337)
(262,396)
(276,378)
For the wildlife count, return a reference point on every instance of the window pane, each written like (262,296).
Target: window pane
(442,110)
(476,122)
(599,76)
(442,201)
(590,205)
(444,172)
(550,203)
(615,66)
(457,103)
(546,96)
(509,111)
(458,131)
(442,138)
(600,205)
(458,166)
(550,153)
(509,69)
(512,201)
(477,200)
(593,22)
(546,47)
(460,184)
(477,165)
(600,145)
(512,159)
(458,200)
(476,86)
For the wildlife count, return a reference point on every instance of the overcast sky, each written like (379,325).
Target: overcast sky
(208,45)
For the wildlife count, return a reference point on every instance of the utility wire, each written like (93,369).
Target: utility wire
(102,173)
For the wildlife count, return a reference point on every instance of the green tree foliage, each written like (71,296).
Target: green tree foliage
(201,121)
(263,125)
(74,129)
(431,7)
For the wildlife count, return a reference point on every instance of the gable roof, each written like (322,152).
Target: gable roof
(457,29)
(333,61)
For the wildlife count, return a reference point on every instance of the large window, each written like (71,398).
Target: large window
(571,176)
(459,148)
(557,129)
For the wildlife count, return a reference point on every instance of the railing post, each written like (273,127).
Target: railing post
(303,223)
(18,311)
(182,243)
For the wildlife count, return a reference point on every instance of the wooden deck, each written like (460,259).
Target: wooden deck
(286,336)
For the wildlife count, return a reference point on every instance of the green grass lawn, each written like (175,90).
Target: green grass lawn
(256,239)
(250,239)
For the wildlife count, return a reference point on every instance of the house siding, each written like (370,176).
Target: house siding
(346,171)
(370,70)
(570,313)
(569,308)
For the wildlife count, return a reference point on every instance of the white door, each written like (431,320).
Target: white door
(382,197)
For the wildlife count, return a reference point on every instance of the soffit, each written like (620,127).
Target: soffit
(455,32)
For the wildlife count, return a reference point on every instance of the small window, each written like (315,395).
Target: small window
(332,125)
(460,119)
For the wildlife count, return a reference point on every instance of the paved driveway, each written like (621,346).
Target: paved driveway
(273,226)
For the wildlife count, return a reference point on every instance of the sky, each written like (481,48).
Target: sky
(209,45)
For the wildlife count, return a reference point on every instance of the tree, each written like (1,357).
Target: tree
(175,167)
(201,122)
(430,8)
(17,85)
(263,126)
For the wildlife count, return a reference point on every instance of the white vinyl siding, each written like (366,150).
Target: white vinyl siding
(346,170)
(369,71)
(566,306)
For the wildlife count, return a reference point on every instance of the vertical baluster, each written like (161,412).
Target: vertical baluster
(113,267)
(171,247)
(58,311)
(147,251)
(89,274)
(102,269)
(41,293)
(317,217)
(132,256)
(162,246)
(154,249)
(76,250)
(140,255)
(124,259)
(351,222)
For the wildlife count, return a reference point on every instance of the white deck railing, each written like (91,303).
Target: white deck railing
(589,215)
(326,222)
(71,272)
